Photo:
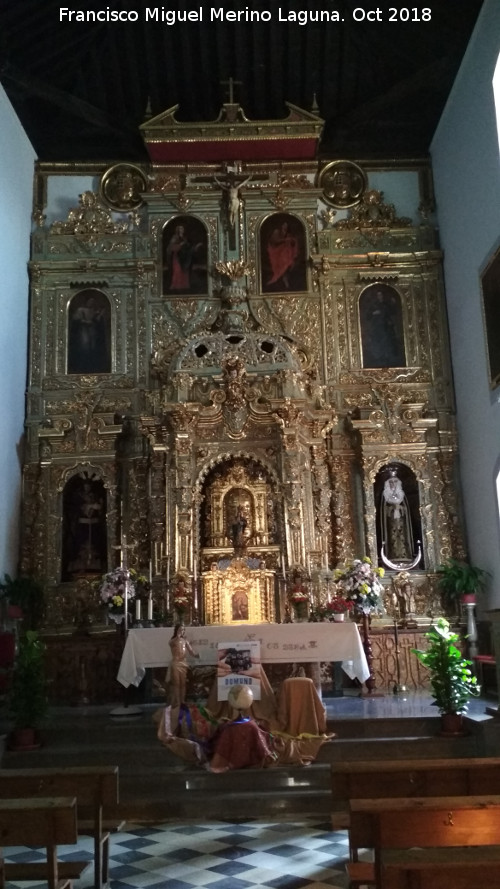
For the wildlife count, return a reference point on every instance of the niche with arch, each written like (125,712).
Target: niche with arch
(381,325)
(89,333)
(397,503)
(84,543)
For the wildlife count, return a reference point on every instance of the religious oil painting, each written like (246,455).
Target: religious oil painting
(381,322)
(283,254)
(185,252)
(490,284)
(89,333)
(84,549)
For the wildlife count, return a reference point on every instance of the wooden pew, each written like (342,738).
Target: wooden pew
(96,790)
(433,842)
(435,823)
(374,779)
(39,822)
(410,777)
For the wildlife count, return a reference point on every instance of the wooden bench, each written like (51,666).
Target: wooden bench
(413,839)
(410,777)
(39,822)
(96,790)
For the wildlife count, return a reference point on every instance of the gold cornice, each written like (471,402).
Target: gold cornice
(233,124)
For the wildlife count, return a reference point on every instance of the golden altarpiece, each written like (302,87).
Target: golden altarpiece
(230,359)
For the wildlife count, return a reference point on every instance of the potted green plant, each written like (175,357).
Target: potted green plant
(459,581)
(27,698)
(452,681)
(25,597)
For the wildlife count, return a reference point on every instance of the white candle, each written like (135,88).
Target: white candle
(283,566)
(137,609)
(150,607)
(150,571)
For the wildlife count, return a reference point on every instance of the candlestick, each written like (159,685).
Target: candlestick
(283,565)
(137,609)
(150,607)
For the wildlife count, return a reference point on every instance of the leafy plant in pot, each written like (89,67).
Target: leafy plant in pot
(27,699)
(459,581)
(452,681)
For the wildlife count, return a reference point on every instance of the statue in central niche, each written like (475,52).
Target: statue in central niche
(239,528)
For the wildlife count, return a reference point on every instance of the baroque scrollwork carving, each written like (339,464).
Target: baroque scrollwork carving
(89,222)
(373,212)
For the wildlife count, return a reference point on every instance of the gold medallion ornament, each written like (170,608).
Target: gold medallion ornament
(122,187)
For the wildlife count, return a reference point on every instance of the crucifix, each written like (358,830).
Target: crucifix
(230,84)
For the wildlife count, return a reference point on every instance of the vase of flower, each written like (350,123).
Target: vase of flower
(337,608)
(116,589)
(361,583)
(299,599)
(182,602)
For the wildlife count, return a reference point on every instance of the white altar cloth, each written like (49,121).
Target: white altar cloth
(279,643)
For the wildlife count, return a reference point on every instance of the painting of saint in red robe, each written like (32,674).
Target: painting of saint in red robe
(283,254)
(184,256)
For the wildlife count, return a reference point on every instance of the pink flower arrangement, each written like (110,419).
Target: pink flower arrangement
(339,605)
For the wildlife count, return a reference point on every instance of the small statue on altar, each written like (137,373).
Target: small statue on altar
(404,595)
(176,678)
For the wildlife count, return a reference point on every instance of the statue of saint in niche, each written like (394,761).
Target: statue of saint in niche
(238,517)
(395,519)
(239,528)
(89,333)
(381,324)
(84,522)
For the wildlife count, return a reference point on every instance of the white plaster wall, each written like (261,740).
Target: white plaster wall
(466,165)
(16,187)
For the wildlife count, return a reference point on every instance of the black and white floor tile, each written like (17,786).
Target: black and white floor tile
(303,854)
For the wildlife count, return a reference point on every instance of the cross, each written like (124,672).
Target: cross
(231,83)
(123,547)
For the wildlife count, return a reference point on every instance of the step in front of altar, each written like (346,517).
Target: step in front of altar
(155,785)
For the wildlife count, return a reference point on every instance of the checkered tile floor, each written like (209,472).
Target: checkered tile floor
(220,855)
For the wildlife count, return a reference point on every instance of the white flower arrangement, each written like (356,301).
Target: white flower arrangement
(361,585)
(112,588)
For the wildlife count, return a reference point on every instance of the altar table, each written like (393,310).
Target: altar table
(279,644)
